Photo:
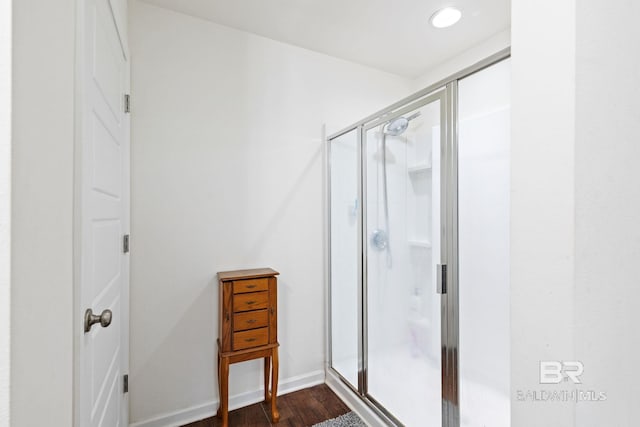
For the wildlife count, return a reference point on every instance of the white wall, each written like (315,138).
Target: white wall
(42,208)
(5,207)
(474,54)
(575,209)
(542,201)
(227,173)
(607,209)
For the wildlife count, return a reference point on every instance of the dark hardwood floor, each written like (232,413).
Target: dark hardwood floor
(298,409)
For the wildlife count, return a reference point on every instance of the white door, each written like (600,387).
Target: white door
(102,208)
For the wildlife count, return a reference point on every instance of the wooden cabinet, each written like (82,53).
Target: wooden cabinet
(248,309)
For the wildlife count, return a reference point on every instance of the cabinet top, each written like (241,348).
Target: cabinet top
(225,276)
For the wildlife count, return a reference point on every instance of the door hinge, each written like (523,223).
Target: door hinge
(442,278)
(125,383)
(127,103)
(125,244)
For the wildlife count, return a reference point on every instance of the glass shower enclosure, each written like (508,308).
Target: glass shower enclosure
(393,257)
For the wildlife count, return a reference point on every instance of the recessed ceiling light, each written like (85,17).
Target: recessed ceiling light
(445,17)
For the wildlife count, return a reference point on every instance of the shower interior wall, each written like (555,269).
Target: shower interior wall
(400,297)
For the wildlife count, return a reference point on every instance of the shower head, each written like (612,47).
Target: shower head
(396,127)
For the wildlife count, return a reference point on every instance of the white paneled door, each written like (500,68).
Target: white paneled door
(102,220)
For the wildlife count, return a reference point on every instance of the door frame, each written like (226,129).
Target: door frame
(119,12)
(5,206)
(449,240)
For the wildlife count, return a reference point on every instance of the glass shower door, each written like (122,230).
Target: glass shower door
(344,257)
(402,237)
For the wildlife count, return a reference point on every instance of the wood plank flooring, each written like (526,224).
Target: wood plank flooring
(298,409)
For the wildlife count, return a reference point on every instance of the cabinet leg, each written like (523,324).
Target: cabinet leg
(267,372)
(224,394)
(275,415)
(219,413)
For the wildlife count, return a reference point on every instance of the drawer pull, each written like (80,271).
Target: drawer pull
(251,286)
(252,321)
(250,302)
(250,339)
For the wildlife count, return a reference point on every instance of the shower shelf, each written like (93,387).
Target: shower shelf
(420,243)
(419,169)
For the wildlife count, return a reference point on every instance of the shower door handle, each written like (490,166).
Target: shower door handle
(441,278)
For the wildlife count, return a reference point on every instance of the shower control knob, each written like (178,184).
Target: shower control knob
(379,239)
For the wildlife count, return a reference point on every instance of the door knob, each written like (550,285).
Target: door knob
(90,319)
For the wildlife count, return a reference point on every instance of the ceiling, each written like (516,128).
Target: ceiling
(391,35)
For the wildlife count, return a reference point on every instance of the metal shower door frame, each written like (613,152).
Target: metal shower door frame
(446,91)
(445,144)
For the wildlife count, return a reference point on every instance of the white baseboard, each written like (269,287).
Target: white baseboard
(209,409)
(353,401)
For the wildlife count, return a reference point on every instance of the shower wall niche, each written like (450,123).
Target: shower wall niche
(418,254)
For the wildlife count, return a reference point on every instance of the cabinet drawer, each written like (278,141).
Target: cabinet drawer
(250,285)
(252,338)
(250,301)
(250,320)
